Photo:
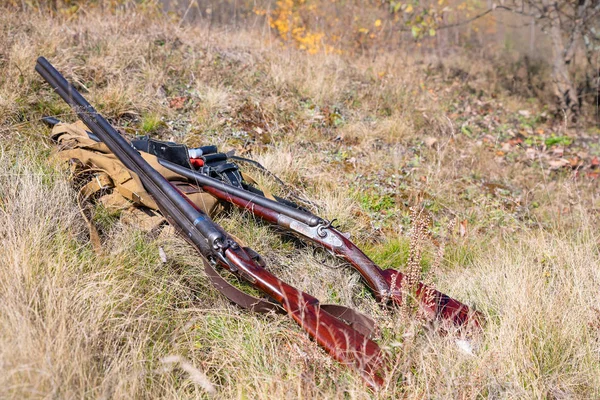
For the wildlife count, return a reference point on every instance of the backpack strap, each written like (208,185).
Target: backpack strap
(101,181)
(175,152)
(217,166)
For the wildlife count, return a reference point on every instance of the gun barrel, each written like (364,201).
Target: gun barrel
(203,180)
(50,121)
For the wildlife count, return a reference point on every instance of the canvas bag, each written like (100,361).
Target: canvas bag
(75,144)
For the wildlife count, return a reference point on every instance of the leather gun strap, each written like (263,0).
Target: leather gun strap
(248,178)
(356,320)
(237,296)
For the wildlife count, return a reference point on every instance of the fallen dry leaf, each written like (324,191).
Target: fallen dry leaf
(462,228)
(575,162)
(177,103)
(557,164)
(430,141)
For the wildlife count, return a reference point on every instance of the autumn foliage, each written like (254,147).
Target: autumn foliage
(556,37)
(334,26)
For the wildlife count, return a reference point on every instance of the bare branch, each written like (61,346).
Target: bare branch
(483,14)
(467,20)
(576,32)
(521,12)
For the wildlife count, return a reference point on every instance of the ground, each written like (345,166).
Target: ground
(364,139)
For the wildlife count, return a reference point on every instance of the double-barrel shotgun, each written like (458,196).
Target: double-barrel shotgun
(387,284)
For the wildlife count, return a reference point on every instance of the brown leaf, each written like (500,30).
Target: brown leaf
(575,162)
(557,164)
(462,228)
(177,103)
(593,174)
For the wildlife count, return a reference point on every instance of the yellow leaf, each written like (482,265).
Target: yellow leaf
(363,30)
(378,23)
(408,9)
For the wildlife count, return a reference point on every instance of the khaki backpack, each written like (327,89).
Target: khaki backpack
(113,185)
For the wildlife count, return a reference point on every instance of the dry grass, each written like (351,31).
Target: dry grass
(347,133)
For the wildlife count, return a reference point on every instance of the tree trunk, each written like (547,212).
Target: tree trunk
(563,86)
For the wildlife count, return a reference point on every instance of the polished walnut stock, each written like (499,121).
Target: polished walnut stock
(387,284)
(341,341)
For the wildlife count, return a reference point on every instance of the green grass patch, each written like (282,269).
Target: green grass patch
(151,123)
(459,255)
(394,253)
(558,141)
(47,107)
(390,254)
(104,217)
(373,202)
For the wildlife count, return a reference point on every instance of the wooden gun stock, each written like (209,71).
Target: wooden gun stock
(343,343)
(387,284)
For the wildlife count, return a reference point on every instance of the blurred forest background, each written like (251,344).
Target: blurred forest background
(542,47)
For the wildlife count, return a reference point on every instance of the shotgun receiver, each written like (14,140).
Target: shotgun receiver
(341,341)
